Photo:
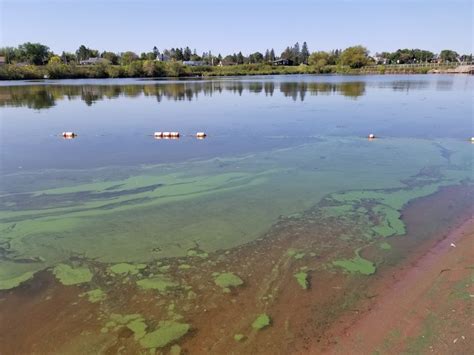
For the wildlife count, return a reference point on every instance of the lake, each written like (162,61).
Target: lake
(240,242)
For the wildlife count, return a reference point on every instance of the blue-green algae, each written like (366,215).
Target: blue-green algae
(166,333)
(15,281)
(302,279)
(95,295)
(68,275)
(127,269)
(356,265)
(158,282)
(96,215)
(239,337)
(262,321)
(228,280)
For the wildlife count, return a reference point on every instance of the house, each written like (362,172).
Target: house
(378,59)
(282,62)
(193,63)
(93,61)
(3,61)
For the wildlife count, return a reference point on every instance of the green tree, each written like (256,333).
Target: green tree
(355,57)
(448,56)
(319,59)
(84,53)
(54,60)
(256,57)
(111,57)
(240,58)
(68,58)
(128,57)
(34,53)
(304,57)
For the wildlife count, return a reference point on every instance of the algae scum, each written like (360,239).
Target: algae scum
(144,229)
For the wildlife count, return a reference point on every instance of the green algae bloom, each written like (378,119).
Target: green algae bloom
(302,279)
(159,282)
(138,327)
(262,321)
(356,265)
(72,276)
(127,269)
(239,337)
(175,350)
(227,280)
(15,281)
(385,246)
(94,296)
(167,332)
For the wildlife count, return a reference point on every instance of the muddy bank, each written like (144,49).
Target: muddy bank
(425,304)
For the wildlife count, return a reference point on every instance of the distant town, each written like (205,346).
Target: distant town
(36,60)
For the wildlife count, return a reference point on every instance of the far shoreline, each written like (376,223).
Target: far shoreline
(12,72)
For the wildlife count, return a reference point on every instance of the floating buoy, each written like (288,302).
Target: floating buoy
(166,135)
(371,136)
(69,135)
(472,139)
(201,135)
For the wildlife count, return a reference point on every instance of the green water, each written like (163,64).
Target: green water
(147,213)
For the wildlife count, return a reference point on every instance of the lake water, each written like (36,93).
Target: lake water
(205,245)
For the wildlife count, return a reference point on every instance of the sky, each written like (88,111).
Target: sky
(230,26)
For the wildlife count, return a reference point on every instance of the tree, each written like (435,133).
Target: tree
(448,56)
(54,60)
(256,57)
(84,53)
(272,55)
(304,54)
(128,58)
(266,57)
(319,59)
(296,53)
(111,57)
(355,57)
(288,54)
(240,58)
(67,57)
(187,53)
(11,54)
(34,53)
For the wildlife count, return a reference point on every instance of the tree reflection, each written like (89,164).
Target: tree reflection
(45,96)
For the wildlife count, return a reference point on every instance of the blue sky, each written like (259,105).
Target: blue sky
(227,26)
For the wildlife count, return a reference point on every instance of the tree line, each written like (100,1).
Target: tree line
(355,57)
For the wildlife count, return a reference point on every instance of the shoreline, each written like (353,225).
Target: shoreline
(11,72)
(397,318)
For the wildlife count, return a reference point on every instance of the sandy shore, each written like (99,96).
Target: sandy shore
(427,310)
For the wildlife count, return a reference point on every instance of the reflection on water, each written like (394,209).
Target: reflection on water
(42,97)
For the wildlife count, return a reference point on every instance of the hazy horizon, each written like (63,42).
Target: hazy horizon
(246,26)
